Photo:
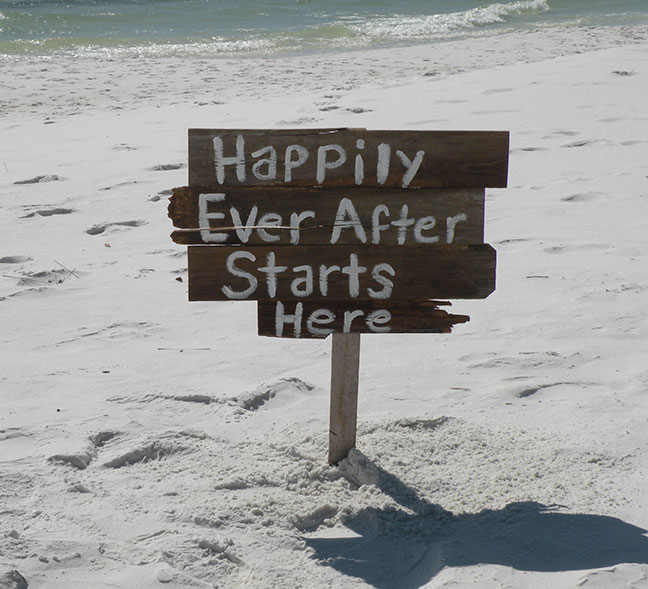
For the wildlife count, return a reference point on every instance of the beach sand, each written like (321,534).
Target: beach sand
(72,85)
(511,453)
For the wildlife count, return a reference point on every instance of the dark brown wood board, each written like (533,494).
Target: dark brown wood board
(348,157)
(341,272)
(312,216)
(309,320)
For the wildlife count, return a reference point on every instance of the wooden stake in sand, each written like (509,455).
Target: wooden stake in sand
(340,232)
(345,367)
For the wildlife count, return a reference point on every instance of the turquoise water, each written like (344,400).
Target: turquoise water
(252,27)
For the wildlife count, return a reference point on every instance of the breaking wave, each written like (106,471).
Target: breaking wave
(443,25)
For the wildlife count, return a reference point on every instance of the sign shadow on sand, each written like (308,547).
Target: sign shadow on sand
(395,548)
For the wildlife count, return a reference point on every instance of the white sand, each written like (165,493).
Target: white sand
(511,453)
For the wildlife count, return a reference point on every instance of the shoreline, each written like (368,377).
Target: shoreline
(41,86)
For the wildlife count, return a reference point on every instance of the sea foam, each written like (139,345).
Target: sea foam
(443,25)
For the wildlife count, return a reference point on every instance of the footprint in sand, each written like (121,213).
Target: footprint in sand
(586,142)
(128,183)
(631,143)
(40,179)
(160,194)
(46,277)
(167,167)
(583,197)
(563,249)
(287,389)
(300,121)
(507,241)
(14,259)
(497,90)
(98,229)
(533,390)
(82,458)
(48,212)
(562,133)
(147,452)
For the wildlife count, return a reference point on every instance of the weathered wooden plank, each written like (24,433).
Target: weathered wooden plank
(348,157)
(312,216)
(308,319)
(345,369)
(341,272)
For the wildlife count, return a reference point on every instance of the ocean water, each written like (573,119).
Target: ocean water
(254,27)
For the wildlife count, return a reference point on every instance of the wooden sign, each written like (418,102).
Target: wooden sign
(347,157)
(294,216)
(307,319)
(342,232)
(341,272)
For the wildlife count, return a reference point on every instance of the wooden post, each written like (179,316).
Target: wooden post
(345,366)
